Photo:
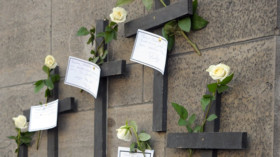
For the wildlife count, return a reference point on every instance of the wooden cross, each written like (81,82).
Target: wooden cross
(64,106)
(151,21)
(100,116)
(211,140)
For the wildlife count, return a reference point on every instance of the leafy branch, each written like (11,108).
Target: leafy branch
(108,35)
(183,27)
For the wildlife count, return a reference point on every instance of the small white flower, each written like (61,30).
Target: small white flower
(118,15)
(50,62)
(219,72)
(124,133)
(21,123)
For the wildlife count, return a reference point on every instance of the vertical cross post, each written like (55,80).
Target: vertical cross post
(160,90)
(100,115)
(213,126)
(52,146)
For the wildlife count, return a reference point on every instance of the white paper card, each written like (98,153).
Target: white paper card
(150,49)
(83,74)
(43,117)
(124,152)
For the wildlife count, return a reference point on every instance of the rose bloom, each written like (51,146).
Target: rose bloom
(118,15)
(50,62)
(219,72)
(21,123)
(124,133)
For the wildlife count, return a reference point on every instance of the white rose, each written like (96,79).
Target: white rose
(218,72)
(124,133)
(21,123)
(118,15)
(50,62)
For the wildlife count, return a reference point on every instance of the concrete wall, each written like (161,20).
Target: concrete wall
(242,34)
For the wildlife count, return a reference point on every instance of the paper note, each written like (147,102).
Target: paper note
(150,49)
(124,152)
(83,74)
(43,117)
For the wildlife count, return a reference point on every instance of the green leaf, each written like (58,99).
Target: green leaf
(134,125)
(198,22)
(190,130)
(38,86)
(170,39)
(212,87)
(108,37)
(12,137)
(141,146)
(28,134)
(170,27)
(123,2)
(185,24)
(108,29)
(95,60)
(227,79)
(46,69)
(148,146)
(204,102)
(222,88)
(49,84)
(144,137)
(207,96)
(47,92)
(101,34)
(92,31)
(194,6)
(192,119)
(92,52)
(116,28)
(211,117)
(82,31)
(115,34)
(26,140)
(111,24)
(182,112)
(90,40)
(182,122)
(55,78)
(148,4)
(105,54)
(197,129)
(132,147)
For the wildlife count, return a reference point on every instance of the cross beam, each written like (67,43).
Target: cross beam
(158,17)
(64,106)
(100,117)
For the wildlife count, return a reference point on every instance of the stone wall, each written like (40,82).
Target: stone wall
(242,34)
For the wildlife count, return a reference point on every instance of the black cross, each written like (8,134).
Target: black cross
(211,140)
(100,116)
(160,16)
(65,105)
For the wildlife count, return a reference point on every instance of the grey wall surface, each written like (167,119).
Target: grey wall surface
(242,34)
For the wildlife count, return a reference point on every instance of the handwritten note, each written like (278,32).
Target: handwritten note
(124,152)
(83,74)
(43,117)
(150,49)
